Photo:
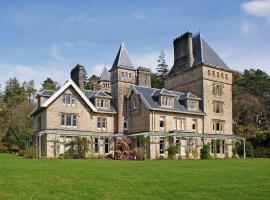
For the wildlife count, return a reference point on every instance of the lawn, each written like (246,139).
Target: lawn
(110,179)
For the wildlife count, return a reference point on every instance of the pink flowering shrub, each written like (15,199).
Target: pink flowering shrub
(124,149)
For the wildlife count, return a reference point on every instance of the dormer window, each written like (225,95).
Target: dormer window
(102,103)
(69,100)
(166,102)
(193,105)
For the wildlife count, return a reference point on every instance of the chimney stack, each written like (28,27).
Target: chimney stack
(77,75)
(144,77)
(183,51)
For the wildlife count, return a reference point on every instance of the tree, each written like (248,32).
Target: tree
(92,81)
(14,93)
(162,68)
(49,84)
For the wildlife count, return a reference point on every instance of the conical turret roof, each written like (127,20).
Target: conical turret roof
(105,75)
(122,59)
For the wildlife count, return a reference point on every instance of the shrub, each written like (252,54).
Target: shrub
(262,152)
(3,148)
(30,152)
(249,149)
(172,150)
(205,152)
(124,149)
(140,153)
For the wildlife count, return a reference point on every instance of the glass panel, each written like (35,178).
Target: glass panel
(68,119)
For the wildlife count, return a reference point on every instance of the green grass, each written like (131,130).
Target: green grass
(109,179)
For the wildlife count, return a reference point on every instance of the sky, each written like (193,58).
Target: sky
(40,39)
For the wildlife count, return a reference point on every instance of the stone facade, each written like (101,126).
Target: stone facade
(194,109)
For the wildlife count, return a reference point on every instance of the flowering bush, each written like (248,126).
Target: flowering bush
(124,149)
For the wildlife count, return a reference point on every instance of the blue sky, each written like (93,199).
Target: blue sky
(40,39)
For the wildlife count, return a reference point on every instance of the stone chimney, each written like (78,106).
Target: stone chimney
(183,51)
(144,77)
(77,75)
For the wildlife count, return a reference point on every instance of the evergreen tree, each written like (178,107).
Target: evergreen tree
(49,84)
(162,68)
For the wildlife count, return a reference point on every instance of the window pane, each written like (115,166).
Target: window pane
(161,146)
(104,123)
(62,119)
(106,146)
(64,99)
(68,99)
(73,100)
(96,145)
(74,120)
(68,119)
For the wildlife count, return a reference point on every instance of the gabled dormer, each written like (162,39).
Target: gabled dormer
(101,100)
(165,97)
(190,101)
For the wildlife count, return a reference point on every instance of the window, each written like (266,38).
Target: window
(96,146)
(166,102)
(106,145)
(69,120)
(213,73)
(125,124)
(129,75)
(209,73)
(101,122)
(218,126)
(181,124)
(126,74)
(68,100)
(162,122)
(123,74)
(178,124)
(222,75)
(102,103)
(217,90)
(161,146)
(218,107)
(226,76)
(62,119)
(134,103)
(218,74)
(192,105)
(194,124)
(74,120)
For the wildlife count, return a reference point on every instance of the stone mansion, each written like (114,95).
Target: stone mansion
(194,108)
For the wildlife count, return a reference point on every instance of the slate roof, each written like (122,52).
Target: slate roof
(153,101)
(188,95)
(46,93)
(204,53)
(162,91)
(105,75)
(122,59)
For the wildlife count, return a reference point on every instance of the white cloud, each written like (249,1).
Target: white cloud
(258,8)
(81,17)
